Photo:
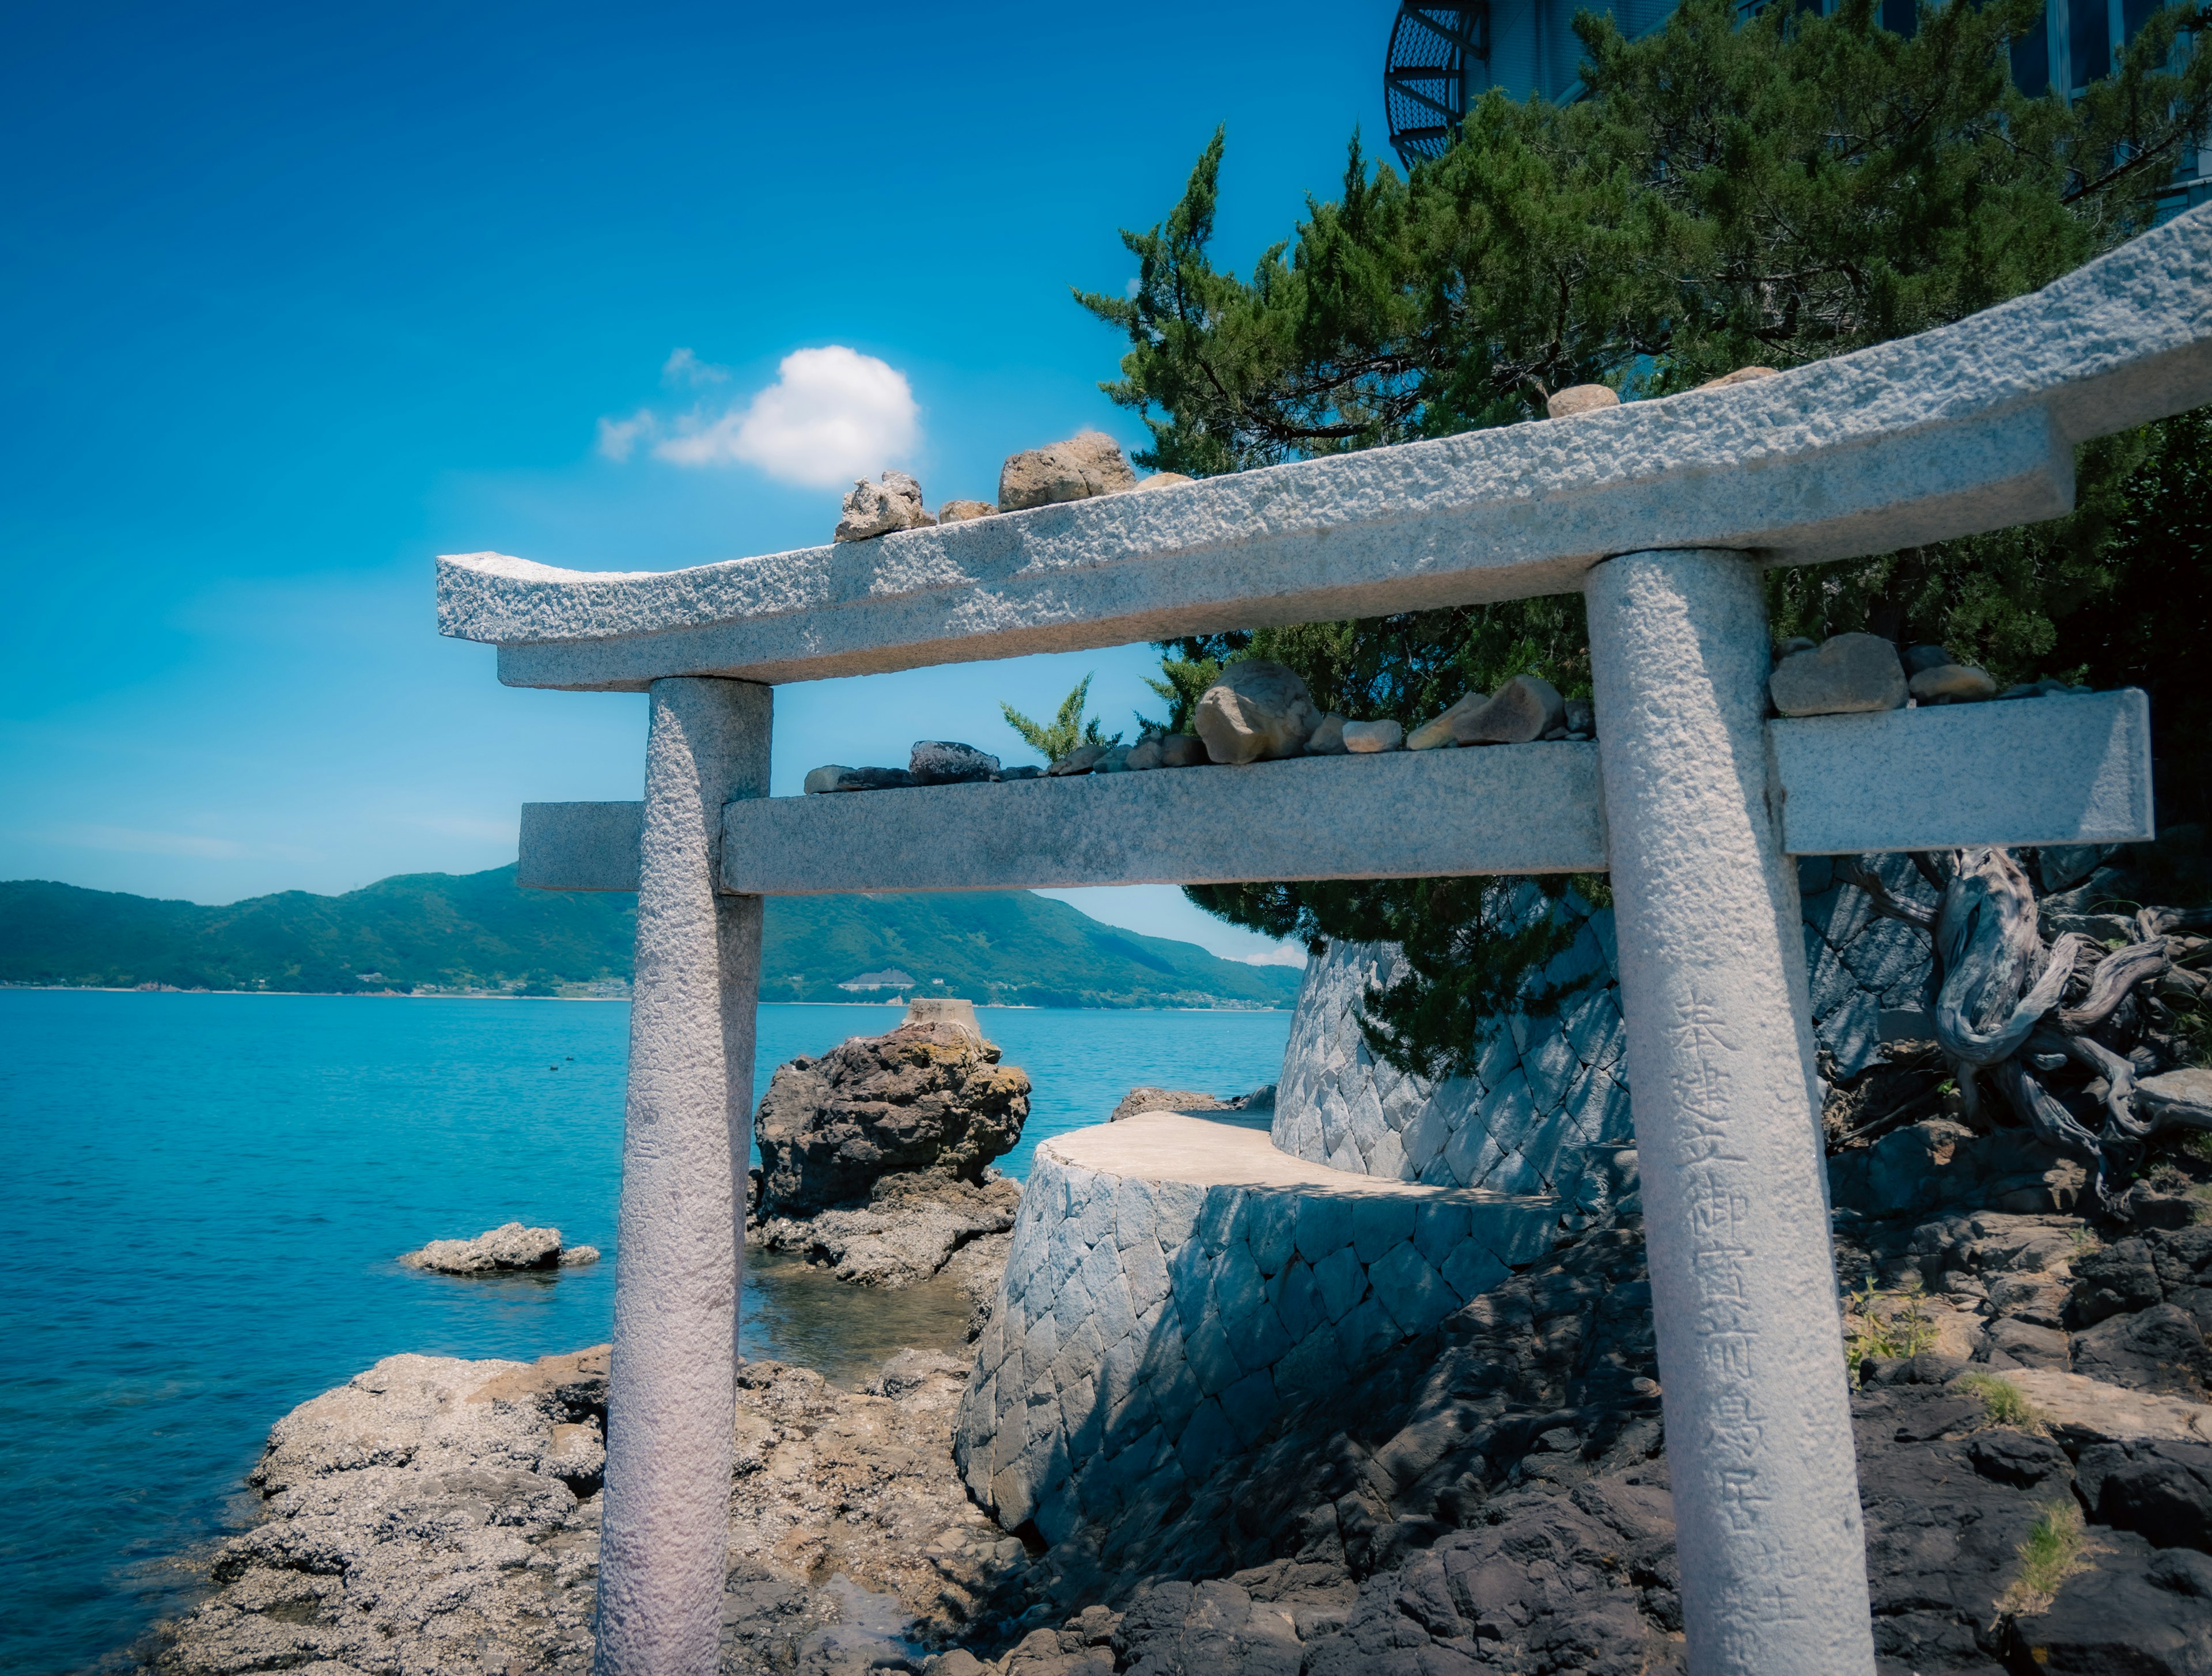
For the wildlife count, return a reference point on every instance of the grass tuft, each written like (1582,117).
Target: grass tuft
(2004,1402)
(2054,1551)
(1886,1324)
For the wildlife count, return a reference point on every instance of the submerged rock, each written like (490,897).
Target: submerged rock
(508,1248)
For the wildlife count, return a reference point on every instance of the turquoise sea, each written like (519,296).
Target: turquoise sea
(201,1197)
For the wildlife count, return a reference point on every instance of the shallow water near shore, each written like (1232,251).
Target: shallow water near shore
(204,1195)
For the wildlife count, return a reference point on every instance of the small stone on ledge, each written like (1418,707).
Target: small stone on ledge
(1953,683)
(1846,675)
(1368,738)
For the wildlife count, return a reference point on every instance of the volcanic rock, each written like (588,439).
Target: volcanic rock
(506,1249)
(924,1097)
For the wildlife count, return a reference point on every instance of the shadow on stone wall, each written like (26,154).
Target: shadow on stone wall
(1151,1334)
(1347,1473)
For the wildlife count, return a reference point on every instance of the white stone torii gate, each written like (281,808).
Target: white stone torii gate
(1662,512)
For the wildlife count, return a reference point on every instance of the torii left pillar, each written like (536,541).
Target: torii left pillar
(679,1252)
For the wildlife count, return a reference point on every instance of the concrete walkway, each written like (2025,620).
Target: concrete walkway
(1208,1151)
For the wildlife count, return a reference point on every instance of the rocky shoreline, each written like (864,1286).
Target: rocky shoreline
(1492,1496)
(2034,1448)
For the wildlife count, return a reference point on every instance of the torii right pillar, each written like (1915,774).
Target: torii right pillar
(1728,1132)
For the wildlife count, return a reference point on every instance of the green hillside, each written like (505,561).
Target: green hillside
(452,933)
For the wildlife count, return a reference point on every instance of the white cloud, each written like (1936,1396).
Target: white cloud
(619,437)
(832,415)
(1289,954)
(683,367)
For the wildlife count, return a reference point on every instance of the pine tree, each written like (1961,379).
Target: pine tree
(1727,193)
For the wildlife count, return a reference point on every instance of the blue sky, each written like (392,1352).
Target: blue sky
(298,297)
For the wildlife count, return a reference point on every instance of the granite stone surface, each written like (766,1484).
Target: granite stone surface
(1964,429)
(1174,1282)
(1906,780)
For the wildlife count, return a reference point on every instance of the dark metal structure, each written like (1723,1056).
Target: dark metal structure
(1434,51)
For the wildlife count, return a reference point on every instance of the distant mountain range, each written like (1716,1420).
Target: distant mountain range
(473,933)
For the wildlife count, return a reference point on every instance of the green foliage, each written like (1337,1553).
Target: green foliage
(427,932)
(2055,1551)
(1065,730)
(1890,1325)
(2004,1402)
(1767,193)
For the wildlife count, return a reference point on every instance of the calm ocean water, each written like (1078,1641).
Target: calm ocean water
(203,1195)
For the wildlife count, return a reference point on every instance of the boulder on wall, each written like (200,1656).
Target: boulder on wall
(1257,711)
(927,1096)
(1091,463)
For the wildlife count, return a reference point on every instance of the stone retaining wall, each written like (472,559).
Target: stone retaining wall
(1550,1095)
(1146,1327)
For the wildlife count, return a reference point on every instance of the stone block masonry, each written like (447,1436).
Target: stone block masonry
(1548,1103)
(1175,1283)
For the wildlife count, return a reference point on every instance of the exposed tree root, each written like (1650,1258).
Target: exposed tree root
(2063,1033)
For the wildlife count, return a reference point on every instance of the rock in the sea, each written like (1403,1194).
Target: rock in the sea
(912,1226)
(960,512)
(1327,739)
(1259,710)
(1189,1100)
(1184,750)
(947,762)
(1084,466)
(836,777)
(578,1256)
(1953,683)
(1845,674)
(877,509)
(1524,710)
(1436,733)
(1081,760)
(506,1249)
(928,1096)
(1365,739)
(1580,398)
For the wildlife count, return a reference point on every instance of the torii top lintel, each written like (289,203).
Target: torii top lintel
(1962,429)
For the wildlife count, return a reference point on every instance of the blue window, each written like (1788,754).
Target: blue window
(2088,41)
(2031,61)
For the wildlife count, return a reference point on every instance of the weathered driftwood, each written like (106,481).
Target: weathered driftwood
(2026,1016)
